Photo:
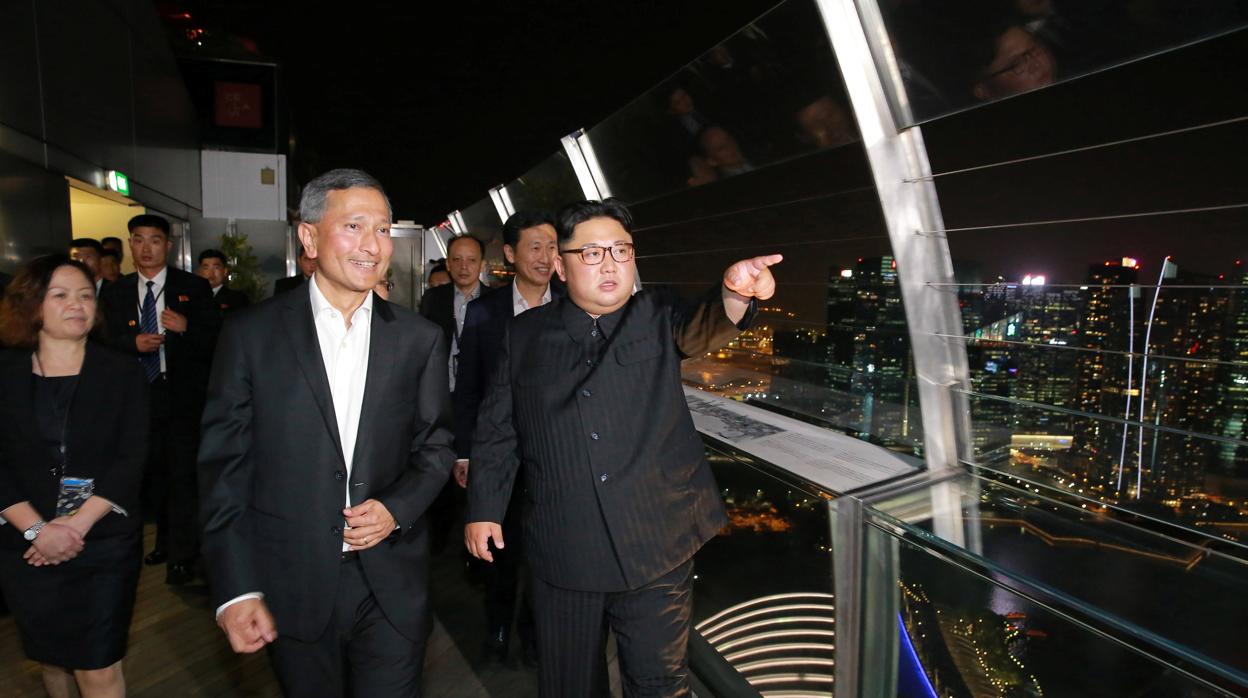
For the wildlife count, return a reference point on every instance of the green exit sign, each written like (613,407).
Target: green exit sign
(118,182)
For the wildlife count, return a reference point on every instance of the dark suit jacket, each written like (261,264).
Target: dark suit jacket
(4,282)
(289,283)
(616,480)
(273,478)
(188,355)
(107,439)
(438,305)
(229,300)
(479,344)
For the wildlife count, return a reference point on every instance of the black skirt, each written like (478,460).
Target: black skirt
(75,615)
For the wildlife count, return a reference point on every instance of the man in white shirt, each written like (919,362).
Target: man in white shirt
(326,437)
(166,319)
(530,246)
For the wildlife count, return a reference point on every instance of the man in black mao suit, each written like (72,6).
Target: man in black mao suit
(326,436)
(530,246)
(587,395)
(307,266)
(173,343)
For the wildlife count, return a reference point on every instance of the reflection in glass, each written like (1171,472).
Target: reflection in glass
(550,185)
(768,93)
(956,55)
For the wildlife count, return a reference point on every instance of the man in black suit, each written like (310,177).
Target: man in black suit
(215,269)
(447,307)
(307,267)
(530,246)
(587,394)
(326,435)
(166,318)
(89,252)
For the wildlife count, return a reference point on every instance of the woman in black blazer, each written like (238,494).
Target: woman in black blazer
(72,450)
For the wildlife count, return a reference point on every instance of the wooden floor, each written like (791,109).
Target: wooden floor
(177,650)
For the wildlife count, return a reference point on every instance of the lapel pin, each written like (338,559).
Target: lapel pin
(183,299)
(133,323)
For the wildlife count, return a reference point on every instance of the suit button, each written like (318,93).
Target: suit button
(586,393)
(339,475)
(593,435)
(603,478)
(589,362)
(337,531)
(593,333)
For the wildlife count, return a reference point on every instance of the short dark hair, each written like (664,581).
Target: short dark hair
(213,254)
(316,193)
(21,309)
(578,212)
(149,220)
(78,243)
(466,236)
(105,241)
(111,254)
(523,220)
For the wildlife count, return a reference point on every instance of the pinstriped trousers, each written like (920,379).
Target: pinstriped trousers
(651,626)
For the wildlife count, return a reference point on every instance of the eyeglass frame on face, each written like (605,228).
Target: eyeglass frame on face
(1021,64)
(580,251)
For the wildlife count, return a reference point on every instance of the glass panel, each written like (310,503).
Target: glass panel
(549,186)
(769,92)
(955,56)
(1139,585)
(482,222)
(763,591)
(1084,240)
(965,635)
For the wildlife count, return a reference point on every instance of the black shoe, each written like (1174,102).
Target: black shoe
(494,649)
(156,557)
(179,574)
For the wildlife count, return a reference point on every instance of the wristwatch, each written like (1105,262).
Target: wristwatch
(33,532)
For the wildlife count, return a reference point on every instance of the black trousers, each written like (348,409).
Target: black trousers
(361,654)
(651,626)
(504,598)
(170,485)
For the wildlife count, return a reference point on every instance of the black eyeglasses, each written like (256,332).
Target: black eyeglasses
(594,254)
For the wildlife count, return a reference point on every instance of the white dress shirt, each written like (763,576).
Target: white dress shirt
(460,309)
(519,304)
(158,289)
(344,351)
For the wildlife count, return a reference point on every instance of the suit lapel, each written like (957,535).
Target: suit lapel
(128,291)
(383,345)
(300,328)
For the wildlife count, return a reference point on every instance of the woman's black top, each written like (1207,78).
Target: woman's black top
(103,413)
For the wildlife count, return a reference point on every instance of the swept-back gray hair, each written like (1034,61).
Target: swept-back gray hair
(312,203)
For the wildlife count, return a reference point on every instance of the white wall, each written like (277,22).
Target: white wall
(233,185)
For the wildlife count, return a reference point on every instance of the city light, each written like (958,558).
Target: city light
(847,273)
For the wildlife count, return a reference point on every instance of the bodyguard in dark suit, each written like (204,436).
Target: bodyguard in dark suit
(326,436)
(307,266)
(530,246)
(215,269)
(587,395)
(167,320)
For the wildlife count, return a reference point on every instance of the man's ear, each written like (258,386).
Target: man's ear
(559,268)
(509,253)
(307,237)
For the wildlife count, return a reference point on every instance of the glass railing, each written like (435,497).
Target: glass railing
(961,587)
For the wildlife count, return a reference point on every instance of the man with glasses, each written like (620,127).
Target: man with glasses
(586,393)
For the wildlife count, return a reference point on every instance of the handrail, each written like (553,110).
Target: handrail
(714,672)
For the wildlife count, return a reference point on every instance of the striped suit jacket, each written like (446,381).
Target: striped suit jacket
(616,484)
